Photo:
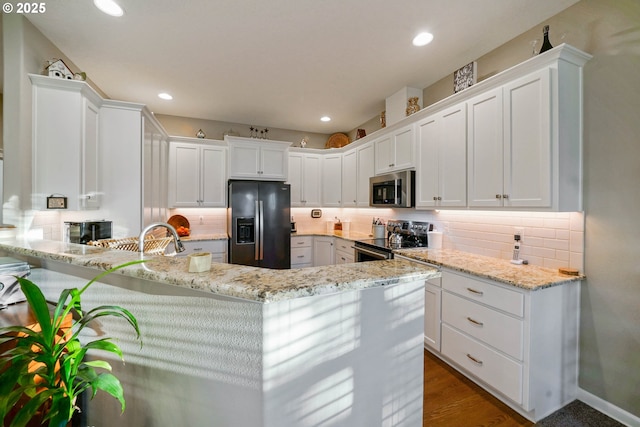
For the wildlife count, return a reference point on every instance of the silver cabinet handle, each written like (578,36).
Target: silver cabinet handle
(505,196)
(475,291)
(475,322)
(498,196)
(473,359)
(300,256)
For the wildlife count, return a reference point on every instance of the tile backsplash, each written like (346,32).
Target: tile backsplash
(550,239)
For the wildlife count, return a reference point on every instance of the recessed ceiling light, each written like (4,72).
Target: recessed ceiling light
(109,7)
(165,95)
(422,39)
(325,118)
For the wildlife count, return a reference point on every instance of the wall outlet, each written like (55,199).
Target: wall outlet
(518,234)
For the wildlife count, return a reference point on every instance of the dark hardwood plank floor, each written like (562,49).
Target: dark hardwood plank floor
(451,400)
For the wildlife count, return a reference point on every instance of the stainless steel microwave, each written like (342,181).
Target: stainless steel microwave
(396,190)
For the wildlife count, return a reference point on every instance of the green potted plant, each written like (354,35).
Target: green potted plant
(45,370)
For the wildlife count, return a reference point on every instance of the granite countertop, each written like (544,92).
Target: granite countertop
(249,283)
(522,276)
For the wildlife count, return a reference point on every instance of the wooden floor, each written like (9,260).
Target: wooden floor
(451,400)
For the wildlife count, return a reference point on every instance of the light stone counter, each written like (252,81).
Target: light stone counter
(249,283)
(523,276)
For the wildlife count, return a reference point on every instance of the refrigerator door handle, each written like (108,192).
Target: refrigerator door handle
(258,242)
(261,231)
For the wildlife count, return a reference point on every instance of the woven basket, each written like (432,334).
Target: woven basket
(152,245)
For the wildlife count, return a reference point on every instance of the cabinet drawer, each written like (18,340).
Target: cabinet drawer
(492,327)
(497,370)
(301,242)
(344,257)
(218,248)
(302,255)
(484,292)
(344,246)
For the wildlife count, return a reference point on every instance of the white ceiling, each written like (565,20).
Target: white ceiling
(280,63)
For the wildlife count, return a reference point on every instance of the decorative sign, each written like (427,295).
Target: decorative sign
(465,77)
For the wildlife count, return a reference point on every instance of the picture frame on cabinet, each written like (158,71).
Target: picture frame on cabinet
(465,77)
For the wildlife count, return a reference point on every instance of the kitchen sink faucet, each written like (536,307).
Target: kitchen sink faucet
(176,240)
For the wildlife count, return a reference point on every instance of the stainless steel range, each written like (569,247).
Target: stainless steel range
(400,234)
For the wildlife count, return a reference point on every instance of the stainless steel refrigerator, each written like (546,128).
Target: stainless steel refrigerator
(259,223)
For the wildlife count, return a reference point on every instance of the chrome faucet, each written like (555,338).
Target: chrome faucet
(176,240)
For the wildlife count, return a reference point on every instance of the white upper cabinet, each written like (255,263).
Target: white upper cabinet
(485,150)
(525,138)
(305,178)
(527,141)
(332,180)
(395,150)
(257,159)
(197,175)
(65,142)
(510,144)
(442,171)
(350,178)
(366,169)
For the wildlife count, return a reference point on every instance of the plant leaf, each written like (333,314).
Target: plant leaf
(109,383)
(104,344)
(38,304)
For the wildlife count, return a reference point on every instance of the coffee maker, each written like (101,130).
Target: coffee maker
(86,231)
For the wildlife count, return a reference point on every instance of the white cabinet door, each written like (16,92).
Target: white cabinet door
(197,175)
(442,167)
(366,169)
(332,180)
(91,164)
(311,179)
(432,315)
(258,159)
(305,178)
(485,150)
(213,176)
(65,142)
(384,155)
(452,158)
(350,178)
(527,141)
(295,178)
(323,251)
(244,161)
(403,144)
(395,151)
(427,173)
(273,163)
(184,175)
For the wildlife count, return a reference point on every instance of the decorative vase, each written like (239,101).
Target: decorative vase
(383,119)
(412,106)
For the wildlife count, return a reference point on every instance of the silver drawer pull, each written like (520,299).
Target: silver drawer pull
(301,243)
(475,291)
(475,322)
(300,256)
(473,359)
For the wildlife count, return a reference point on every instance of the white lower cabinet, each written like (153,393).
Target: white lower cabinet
(217,248)
(323,251)
(344,251)
(432,313)
(519,344)
(301,251)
